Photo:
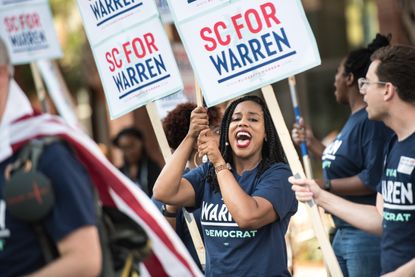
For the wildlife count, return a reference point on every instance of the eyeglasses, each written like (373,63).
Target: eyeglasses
(363,82)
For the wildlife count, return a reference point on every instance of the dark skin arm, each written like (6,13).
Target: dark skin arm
(351,186)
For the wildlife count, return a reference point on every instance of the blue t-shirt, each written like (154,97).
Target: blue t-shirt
(20,252)
(231,251)
(357,150)
(397,188)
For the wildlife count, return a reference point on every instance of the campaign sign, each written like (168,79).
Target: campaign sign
(248,44)
(106,18)
(186,9)
(136,67)
(27,29)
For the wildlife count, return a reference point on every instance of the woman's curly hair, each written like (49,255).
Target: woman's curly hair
(176,123)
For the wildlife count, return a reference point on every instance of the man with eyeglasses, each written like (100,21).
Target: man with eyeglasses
(389,91)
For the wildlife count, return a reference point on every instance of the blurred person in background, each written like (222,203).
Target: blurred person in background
(138,166)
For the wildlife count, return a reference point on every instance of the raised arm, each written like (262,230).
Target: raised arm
(365,217)
(170,187)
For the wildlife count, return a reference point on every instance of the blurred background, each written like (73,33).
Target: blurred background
(339,26)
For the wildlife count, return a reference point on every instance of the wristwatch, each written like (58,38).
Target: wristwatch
(166,213)
(327,185)
(222,167)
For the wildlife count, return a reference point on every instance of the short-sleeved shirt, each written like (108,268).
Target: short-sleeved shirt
(357,150)
(232,251)
(20,252)
(397,187)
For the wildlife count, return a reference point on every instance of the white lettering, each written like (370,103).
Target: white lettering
(222,213)
(2,214)
(205,210)
(397,193)
(407,194)
(213,215)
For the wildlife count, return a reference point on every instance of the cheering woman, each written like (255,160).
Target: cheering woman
(243,190)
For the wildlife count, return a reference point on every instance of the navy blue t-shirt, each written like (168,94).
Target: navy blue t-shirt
(20,252)
(357,150)
(231,251)
(397,188)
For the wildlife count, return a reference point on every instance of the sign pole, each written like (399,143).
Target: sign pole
(303,145)
(58,91)
(40,88)
(327,220)
(298,172)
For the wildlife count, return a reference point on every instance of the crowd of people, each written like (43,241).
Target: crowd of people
(352,163)
(388,91)
(240,194)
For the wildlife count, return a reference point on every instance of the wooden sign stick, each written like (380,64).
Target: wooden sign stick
(326,218)
(40,88)
(298,171)
(165,150)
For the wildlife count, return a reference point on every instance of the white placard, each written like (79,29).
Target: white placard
(187,9)
(27,29)
(106,18)
(137,67)
(246,45)
(132,52)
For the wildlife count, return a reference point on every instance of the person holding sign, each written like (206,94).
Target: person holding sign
(352,163)
(388,90)
(243,191)
(176,126)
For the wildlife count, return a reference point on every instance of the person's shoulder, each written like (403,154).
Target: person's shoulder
(201,169)
(56,150)
(378,127)
(279,168)
(59,156)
